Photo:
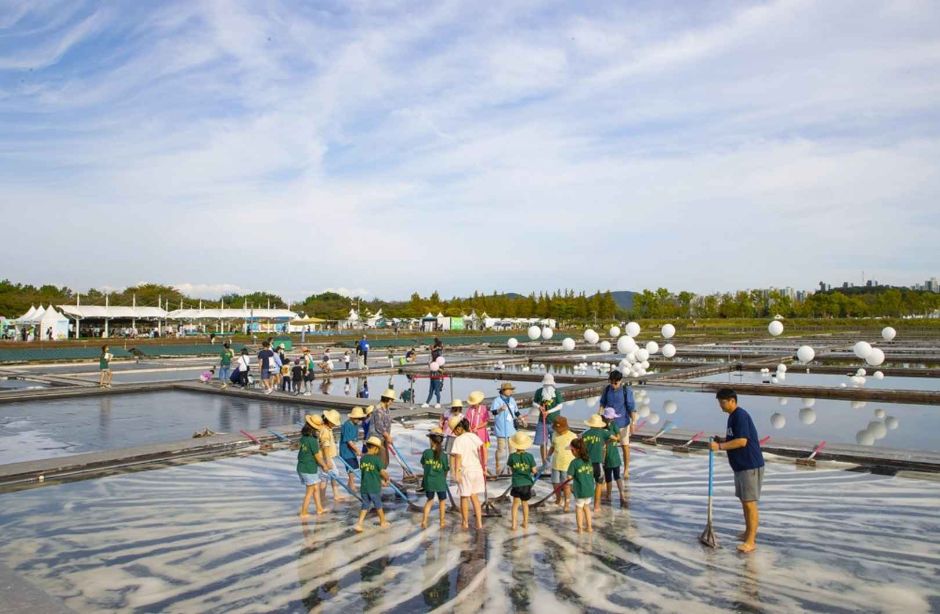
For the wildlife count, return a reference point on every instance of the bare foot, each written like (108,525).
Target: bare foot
(514,527)
(464,526)
(443,525)
(590,529)
(321,511)
(580,530)
(525,525)
(566,510)
(424,525)
(746,547)
(479,525)
(385,525)
(597,509)
(304,514)
(358,528)
(337,499)
(623,502)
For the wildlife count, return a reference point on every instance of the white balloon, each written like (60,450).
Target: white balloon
(587,334)
(436,367)
(805,354)
(567,344)
(781,368)
(625,345)
(670,407)
(668,331)
(513,343)
(534,332)
(876,357)
(614,331)
(809,402)
(861,373)
(441,361)
(642,354)
(643,411)
(775,328)
(645,365)
(892,423)
(880,413)
(858,380)
(653,419)
(604,346)
(669,350)
(594,338)
(878,375)
(633,329)
(547,333)
(774,380)
(877,428)
(807,415)
(864,438)
(888,333)
(862,349)
(652,347)
(781,376)
(630,357)
(778,421)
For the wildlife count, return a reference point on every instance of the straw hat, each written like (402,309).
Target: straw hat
(314,421)
(520,441)
(506,386)
(369,410)
(436,432)
(610,413)
(332,416)
(595,421)
(476,397)
(357,412)
(548,380)
(456,404)
(453,422)
(374,441)
(389,394)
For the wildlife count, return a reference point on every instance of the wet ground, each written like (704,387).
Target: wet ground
(796,378)
(222,536)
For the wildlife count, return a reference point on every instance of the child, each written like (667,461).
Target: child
(456,411)
(561,458)
(330,420)
(104,366)
(434,482)
(391,359)
(374,477)
(309,460)
(595,439)
(612,457)
(349,443)
(523,471)
(297,376)
(207,376)
(346,359)
(582,477)
(367,426)
(285,376)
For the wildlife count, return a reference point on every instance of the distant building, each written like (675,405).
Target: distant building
(932,285)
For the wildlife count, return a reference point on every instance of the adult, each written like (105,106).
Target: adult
(547,402)
(478,416)
(505,411)
(435,387)
(742,443)
(382,422)
(468,472)
(225,363)
(362,350)
(266,359)
(104,366)
(244,363)
(620,397)
(437,349)
(326,363)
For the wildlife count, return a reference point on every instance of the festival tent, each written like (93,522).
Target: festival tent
(26,317)
(56,321)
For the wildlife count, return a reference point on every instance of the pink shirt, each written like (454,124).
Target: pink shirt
(478,417)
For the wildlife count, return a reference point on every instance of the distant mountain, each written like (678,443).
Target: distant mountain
(624,298)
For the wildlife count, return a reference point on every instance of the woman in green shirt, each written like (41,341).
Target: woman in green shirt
(582,477)
(434,482)
(104,366)
(309,461)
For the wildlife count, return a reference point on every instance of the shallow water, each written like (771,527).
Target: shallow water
(797,378)
(222,536)
(455,387)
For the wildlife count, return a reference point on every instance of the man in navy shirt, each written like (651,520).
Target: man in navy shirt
(266,356)
(744,454)
(620,397)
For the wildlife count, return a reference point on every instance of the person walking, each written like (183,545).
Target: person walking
(266,358)
(225,363)
(742,443)
(104,367)
(362,349)
(620,397)
(468,472)
(547,402)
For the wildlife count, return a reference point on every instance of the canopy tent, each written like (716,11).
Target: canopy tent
(53,323)
(26,317)
(113,312)
(232,314)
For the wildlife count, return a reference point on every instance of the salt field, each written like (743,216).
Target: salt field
(795,378)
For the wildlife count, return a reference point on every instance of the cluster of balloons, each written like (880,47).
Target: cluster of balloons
(436,364)
(807,415)
(871,355)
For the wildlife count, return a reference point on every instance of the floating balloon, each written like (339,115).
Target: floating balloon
(668,331)
(643,411)
(642,355)
(862,349)
(805,354)
(653,419)
(861,373)
(858,380)
(807,415)
(567,344)
(604,346)
(614,331)
(891,422)
(670,407)
(534,332)
(633,329)
(778,420)
(880,413)
(588,334)
(888,333)
(652,347)
(864,438)
(513,343)
(669,350)
(876,357)
(775,328)
(781,368)
(878,375)
(877,428)
(774,380)
(626,344)
(547,333)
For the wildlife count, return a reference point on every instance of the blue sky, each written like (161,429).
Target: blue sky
(382,148)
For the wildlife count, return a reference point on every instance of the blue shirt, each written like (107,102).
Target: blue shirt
(348,434)
(621,400)
(750,456)
(363,346)
(502,425)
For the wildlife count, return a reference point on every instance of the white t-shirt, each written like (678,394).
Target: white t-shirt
(467,446)
(243,363)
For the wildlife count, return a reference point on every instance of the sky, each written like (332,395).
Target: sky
(382,148)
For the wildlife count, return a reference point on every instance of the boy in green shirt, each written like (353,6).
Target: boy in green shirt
(309,460)
(595,439)
(582,477)
(612,462)
(434,482)
(523,469)
(373,478)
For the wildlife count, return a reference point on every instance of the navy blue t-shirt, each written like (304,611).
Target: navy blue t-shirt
(265,357)
(750,456)
(622,401)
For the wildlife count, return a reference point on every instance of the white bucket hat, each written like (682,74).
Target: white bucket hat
(548,380)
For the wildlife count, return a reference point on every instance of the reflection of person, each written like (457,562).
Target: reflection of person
(468,472)
(620,397)
(374,476)
(104,366)
(309,461)
(742,443)
(434,481)
(582,479)
(523,469)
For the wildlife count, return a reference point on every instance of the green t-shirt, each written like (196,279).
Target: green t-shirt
(104,361)
(582,474)
(227,357)
(309,447)
(435,471)
(371,466)
(613,452)
(522,464)
(595,440)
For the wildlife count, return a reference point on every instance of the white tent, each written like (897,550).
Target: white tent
(52,319)
(26,317)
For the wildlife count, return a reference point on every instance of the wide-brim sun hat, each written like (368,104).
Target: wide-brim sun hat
(436,432)
(456,404)
(454,422)
(389,394)
(357,412)
(476,397)
(332,416)
(313,420)
(610,413)
(548,380)
(595,421)
(506,386)
(369,410)
(520,441)
(374,441)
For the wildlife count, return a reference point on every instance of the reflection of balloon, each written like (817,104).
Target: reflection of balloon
(642,354)
(878,375)
(567,344)
(547,333)
(891,422)
(512,343)
(858,380)
(888,333)
(809,402)
(670,407)
(861,373)
(604,346)
(653,419)
(614,331)
(781,368)
(864,438)
(534,332)
(862,349)
(805,354)
(669,350)
(880,413)
(877,429)
(644,411)
(782,400)
(633,329)
(782,376)
(652,347)
(778,421)
(668,331)
(807,415)
(876,357)
(775,327)
(858,404)
(626,344)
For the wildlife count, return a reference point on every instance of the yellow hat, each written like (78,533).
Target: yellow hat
(369,410)
(389,394)
(520,441)
(332,416)
(595,421)
(436,432)
(456,404)
(453,422)
(476,397)
(357,412)
(374,441)
(506,386)
(314,421)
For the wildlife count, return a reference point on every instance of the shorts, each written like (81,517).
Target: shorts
(583,502)
(624,435)
(521,492)
(747,484)
(559,476)
(308,377)
(352,462)
(598,473)
(539,440)
(441,496)
(265,373)
(611,474)
(371,500)
(309,479)
(502,444)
